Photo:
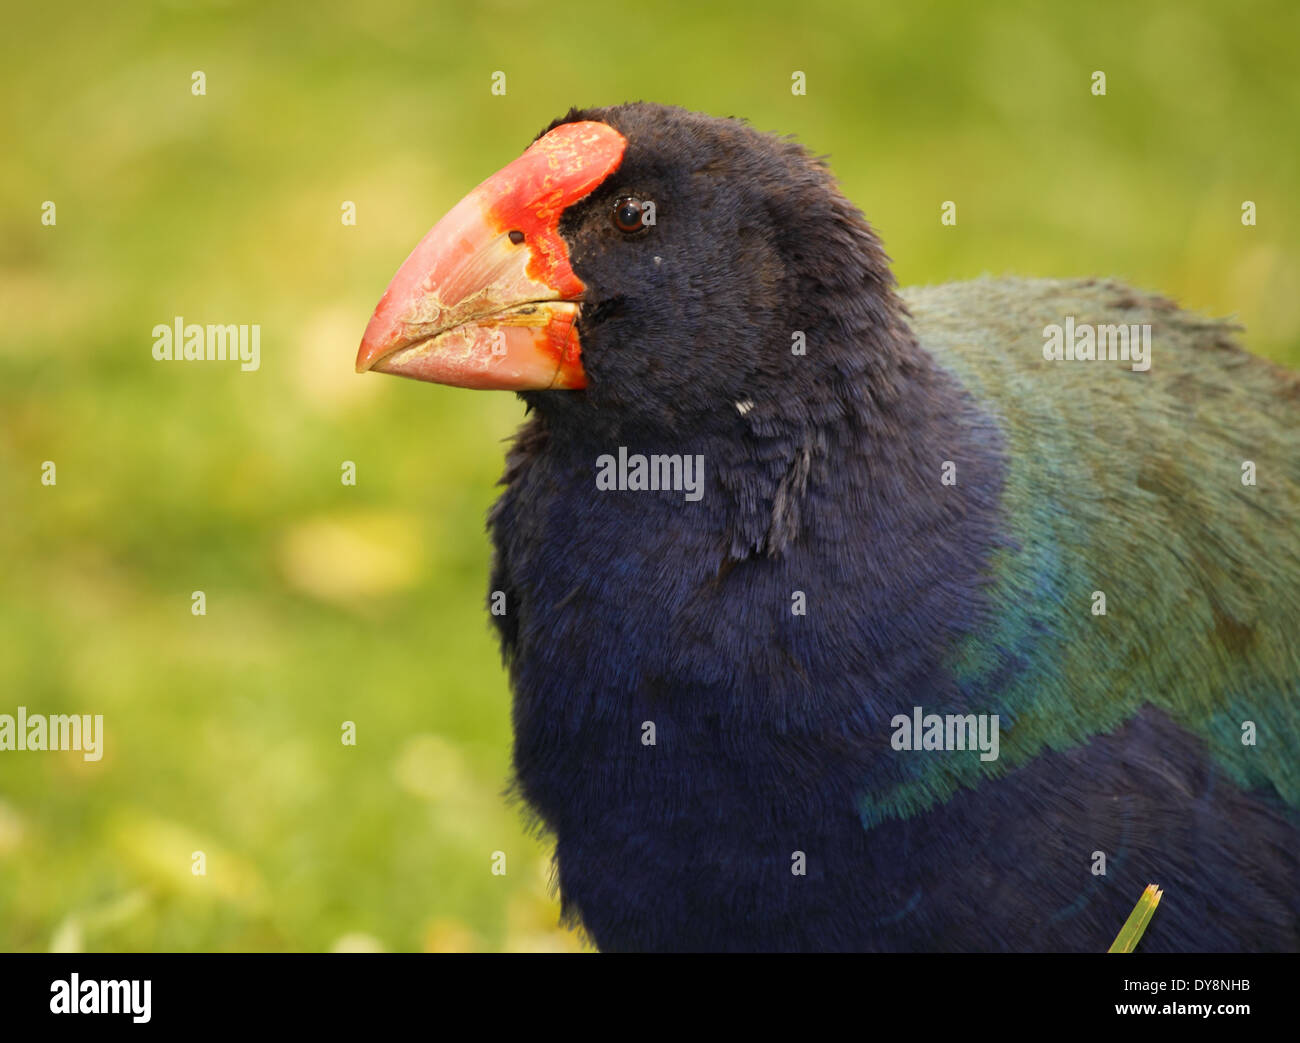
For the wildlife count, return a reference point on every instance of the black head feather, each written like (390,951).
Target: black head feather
(752,244)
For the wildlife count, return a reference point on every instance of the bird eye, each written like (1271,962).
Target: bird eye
(628,215)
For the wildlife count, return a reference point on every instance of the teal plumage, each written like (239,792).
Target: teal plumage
(1131,483)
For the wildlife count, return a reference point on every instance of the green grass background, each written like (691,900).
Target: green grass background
(328,603)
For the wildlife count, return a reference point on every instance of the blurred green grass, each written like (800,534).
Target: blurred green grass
(328,603)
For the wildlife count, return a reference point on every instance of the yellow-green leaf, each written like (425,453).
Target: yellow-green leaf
(1131,933)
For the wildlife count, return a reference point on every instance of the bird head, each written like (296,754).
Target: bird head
(648,263)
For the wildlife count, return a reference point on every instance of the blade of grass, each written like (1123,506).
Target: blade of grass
(1131,933)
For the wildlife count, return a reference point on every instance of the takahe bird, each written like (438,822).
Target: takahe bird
(845,619)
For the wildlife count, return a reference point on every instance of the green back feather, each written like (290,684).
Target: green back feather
(1128,483)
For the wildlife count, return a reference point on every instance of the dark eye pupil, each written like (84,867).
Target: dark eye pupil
(627,215)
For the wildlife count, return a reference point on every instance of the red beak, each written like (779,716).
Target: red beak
(488,298)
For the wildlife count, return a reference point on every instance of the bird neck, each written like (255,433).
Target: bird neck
(817,585)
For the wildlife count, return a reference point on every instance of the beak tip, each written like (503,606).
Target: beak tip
(371,351)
